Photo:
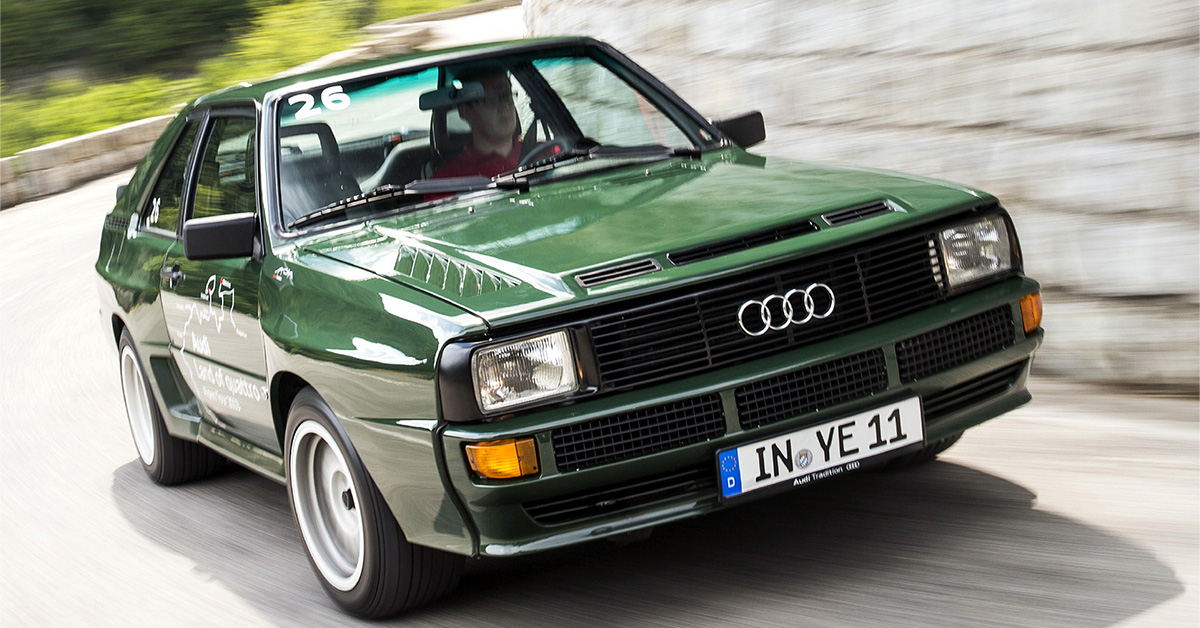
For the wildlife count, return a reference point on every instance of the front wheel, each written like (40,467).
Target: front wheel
(353,542)
(166,459)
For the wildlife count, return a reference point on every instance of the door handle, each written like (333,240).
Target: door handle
(173,275)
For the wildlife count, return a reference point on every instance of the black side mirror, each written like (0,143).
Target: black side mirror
(745,130)
(220,237)
(121,191)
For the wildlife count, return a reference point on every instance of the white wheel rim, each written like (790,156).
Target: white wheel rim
(137,405)
(327,505)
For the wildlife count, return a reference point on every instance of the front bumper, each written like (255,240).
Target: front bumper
(948,355)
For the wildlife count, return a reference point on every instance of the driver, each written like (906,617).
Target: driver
(494,148)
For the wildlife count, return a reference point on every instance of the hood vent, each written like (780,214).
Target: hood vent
(450,275)
(855,214)
(617,273)
(749,241)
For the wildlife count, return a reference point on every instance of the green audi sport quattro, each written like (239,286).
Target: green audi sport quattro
(623,319)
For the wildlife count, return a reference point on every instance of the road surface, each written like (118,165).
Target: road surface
(1079,509)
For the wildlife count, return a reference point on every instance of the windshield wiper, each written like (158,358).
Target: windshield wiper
(575,155)
(422,188)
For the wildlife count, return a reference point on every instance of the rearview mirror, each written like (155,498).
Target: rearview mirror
(452,96)
(220,237)
(745,130)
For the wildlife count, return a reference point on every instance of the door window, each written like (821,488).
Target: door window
(226,181)
(163,209)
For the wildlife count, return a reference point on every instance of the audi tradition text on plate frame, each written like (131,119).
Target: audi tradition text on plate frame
(507,298)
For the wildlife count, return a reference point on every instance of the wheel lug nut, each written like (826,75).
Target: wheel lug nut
(348,499)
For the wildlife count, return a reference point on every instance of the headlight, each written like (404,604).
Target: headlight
(521,372)
(976,250)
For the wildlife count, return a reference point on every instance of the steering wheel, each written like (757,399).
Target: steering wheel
(546,150)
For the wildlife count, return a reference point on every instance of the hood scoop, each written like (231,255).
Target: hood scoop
(617,273)
(450,275)
(748,241)
(861,212)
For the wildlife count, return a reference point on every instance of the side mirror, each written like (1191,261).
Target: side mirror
(121,191)
(745,130)
(220,237)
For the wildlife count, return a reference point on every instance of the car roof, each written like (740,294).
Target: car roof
(258,92)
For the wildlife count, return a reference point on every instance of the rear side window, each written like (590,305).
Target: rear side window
(163,210)
(226,181)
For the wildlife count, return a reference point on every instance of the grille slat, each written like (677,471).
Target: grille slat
(955,344)
(638,433)
(609,500)
(972,391)
(698,330)
(816,387)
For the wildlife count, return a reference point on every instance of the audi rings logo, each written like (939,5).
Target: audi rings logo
(797,307)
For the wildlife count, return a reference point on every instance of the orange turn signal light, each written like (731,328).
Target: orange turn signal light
(502,459)
(1031,311)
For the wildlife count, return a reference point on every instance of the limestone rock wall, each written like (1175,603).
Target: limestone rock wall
(1081,115)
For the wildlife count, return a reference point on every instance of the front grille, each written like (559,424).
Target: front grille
(638,433)
(614,499)
(955,344)
(681,334)
(971,392)
(810,389)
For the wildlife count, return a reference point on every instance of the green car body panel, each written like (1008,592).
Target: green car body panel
(365,312)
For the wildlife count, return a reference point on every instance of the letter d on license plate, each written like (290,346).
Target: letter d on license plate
(820,451)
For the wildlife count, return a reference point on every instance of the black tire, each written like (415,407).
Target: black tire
(353,542)
(166,459)
(926,455)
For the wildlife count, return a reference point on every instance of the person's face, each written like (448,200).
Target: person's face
(494,117)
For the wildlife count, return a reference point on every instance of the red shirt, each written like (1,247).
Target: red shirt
(472,163)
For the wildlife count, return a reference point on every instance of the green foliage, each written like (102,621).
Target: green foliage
(392,9)
(279,34)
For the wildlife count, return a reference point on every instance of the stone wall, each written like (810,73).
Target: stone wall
(59,166)
(1081,115)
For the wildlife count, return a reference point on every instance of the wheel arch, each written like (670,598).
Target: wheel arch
(285,385)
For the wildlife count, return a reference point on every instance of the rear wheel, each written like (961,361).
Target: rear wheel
(166,459)
(354,543)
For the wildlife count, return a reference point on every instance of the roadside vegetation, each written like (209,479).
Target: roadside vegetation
(71,67)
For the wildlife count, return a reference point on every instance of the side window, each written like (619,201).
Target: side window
(606,108)
(163,210)
(226,181)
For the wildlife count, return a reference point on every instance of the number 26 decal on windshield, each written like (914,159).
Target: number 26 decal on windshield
(332,98)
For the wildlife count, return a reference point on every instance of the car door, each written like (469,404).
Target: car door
(212,306)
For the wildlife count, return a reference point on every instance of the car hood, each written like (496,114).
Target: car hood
(512,256)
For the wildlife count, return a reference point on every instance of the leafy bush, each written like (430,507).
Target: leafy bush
(280,34)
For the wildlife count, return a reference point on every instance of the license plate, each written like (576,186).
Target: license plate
(820,451)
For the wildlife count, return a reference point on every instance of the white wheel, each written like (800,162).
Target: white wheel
(165,458)
(137,404)
(354,544)
(326,503)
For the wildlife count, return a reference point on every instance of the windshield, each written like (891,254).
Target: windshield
(469,122)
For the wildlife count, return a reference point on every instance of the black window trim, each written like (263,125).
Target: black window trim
(206,118)
(189,126)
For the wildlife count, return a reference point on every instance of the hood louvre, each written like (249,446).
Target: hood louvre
(617,273)
(860,212)
(741,243)
(449,275)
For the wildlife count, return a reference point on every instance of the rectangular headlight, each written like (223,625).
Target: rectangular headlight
(525,371)
(975,250)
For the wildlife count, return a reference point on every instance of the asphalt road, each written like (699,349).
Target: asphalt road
(1078,510)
